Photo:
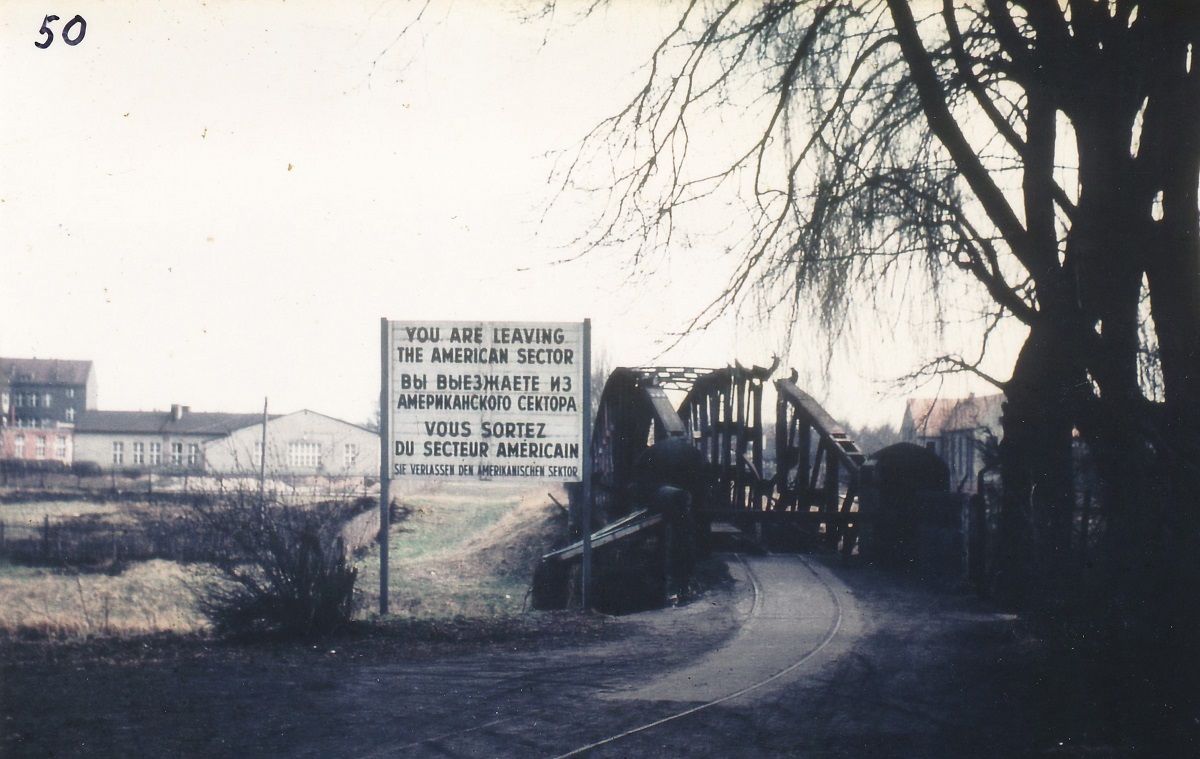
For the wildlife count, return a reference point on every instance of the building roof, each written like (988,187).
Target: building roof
(185,422)
(932,417)
(258,420)
(45,371)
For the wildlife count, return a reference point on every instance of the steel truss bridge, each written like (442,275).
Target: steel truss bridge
(800,478)
(805,474)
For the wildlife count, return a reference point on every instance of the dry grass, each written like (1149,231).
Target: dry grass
(26,519)
(149,597)
(463,551)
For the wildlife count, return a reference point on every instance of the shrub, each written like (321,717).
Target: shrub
(86,469)
(285,572)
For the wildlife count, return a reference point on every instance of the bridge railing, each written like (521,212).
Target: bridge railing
(817,465)
(812,477)
(633,413)
(722,414)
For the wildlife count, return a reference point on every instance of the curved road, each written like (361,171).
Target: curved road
(802,657)
(820,662)
(795,618)
(797,610)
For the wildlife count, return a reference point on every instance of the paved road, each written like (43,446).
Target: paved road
(802,658)
(823,663)
(793,611)
(795,618)
(791,615)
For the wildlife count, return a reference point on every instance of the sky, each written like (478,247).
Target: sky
(217,202)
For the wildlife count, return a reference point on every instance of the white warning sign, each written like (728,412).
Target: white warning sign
(485,400)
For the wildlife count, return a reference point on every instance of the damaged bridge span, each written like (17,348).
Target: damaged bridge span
(678,454)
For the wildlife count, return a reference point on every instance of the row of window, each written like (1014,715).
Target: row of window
(39,447)
(300,454)
(304,454)
(32,400)
(36,400)
(34,424)
(151,454)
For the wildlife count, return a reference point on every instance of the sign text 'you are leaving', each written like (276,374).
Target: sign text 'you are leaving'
(485,400)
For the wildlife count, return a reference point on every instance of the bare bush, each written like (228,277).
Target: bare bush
(285,571)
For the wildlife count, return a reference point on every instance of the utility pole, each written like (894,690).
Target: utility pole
(262,462)
(586,506)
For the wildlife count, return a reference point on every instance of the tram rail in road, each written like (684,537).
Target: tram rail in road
(789,624)
(796,612)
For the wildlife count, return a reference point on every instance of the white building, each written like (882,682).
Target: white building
(167,441)
(301,443)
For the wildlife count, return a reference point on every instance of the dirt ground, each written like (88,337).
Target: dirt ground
(932,675)
(915,671)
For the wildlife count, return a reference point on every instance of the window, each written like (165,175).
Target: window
(40,448)
(176,454)
(118,453)
(307,455)
(33,400)
(70,392)
(139,453)
(46,400)
(60,448)
(350,455)
(19,446)
(156,454)
(193,455)
(70,415)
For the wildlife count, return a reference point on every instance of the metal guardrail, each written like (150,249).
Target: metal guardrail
(622,528)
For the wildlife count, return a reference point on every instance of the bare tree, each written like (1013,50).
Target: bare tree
(1048,151)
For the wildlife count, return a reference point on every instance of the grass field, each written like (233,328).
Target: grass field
(148,597)
(26,519)
(462,550)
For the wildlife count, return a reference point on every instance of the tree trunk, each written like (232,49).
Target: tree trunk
(1176,306)
(1036,466)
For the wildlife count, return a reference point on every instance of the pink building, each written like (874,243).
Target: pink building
(40,399)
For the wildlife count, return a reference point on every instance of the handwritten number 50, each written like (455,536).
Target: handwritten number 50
(67,34)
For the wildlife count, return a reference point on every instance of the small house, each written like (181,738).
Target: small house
(957,430)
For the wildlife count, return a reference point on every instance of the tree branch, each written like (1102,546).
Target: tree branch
(948,131)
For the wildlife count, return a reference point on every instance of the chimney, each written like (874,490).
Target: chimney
(177,412)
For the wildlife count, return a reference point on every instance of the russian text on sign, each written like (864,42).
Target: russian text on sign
(463,403)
